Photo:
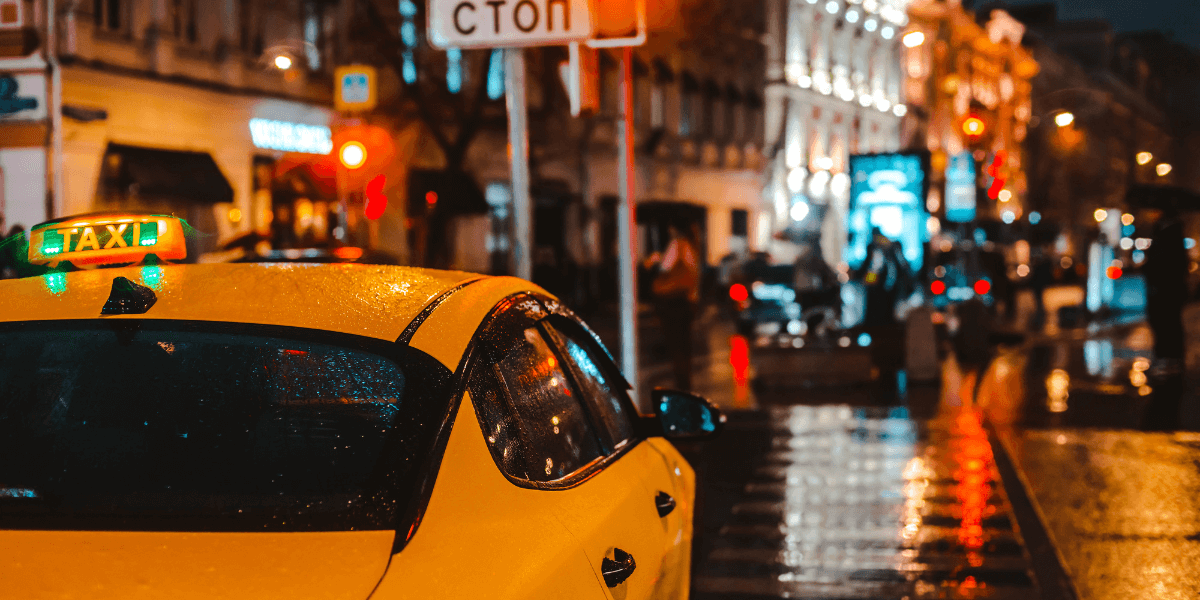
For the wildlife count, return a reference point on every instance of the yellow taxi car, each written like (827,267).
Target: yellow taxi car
(294,431)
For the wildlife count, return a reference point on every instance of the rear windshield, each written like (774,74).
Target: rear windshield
(148,425)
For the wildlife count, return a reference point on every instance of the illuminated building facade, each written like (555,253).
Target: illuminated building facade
(968,90)
(178,106)
(834,89)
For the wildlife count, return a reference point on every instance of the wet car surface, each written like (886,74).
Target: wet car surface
(217,430)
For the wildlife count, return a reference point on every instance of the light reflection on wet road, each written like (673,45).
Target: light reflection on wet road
(869,503)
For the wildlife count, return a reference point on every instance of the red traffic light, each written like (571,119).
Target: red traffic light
(938,287)
(982,287)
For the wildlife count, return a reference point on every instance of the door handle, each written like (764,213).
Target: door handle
(617,571)
(665,504)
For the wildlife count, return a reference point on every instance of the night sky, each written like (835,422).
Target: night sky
(1179,16)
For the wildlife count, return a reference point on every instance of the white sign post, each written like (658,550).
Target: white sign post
(512,24)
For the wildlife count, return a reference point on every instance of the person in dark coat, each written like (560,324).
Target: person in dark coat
(1166,289)
(885,275)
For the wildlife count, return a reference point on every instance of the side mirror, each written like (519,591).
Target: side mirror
(682,415)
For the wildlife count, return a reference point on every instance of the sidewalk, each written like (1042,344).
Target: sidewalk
(1120,506)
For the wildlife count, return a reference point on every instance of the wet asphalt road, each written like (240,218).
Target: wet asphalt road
(816,489)
(864,503)
(812,491)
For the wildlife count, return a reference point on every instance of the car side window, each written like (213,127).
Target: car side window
(560,435)
(603,386)
(502,431)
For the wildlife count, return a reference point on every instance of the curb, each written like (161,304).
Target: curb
(1053,578)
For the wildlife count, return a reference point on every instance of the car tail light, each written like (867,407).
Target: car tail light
(982,287)
(938,287)
(738,293)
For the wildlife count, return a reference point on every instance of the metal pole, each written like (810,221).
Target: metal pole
(518,143)
(54,198)
(626,225)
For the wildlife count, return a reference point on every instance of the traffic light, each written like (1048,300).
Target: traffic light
(364,153)
(352,154)
(974,127)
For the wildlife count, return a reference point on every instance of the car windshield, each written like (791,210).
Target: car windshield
(145,425)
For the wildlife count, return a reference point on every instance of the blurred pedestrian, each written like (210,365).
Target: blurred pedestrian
(1166,290)
(676,291)
(886,277)
(996,267)
(1041,275)
(816,284)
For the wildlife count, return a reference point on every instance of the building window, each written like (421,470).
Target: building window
(495,75)
(250,34)
(711,122)
(108,14)
(663,76)
(454,70)
(610,84)
(642,93)
(314,34)
(183,20)
(734,128)
(688,102)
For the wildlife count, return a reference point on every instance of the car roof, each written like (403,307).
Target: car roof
(375,301)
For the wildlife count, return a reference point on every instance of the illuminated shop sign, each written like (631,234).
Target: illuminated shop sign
(887,193)
(291,137)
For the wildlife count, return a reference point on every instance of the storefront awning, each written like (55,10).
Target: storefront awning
(189,176)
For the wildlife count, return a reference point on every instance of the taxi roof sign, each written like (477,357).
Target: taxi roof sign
(106,239)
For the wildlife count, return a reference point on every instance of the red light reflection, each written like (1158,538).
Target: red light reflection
(973,453)
(738,293)
(739,359)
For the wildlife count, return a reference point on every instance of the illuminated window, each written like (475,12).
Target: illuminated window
(454,70)
(409,71)
(408,33)
(314,38)
(495,75)
(408,36)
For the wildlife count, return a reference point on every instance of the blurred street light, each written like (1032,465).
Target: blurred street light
(353,154)
(1100,215)
(1063,119)
(283,62)
(1144,157)
(973,126)
(799,210)
(1162,169)
(913,39)
(1127,219)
